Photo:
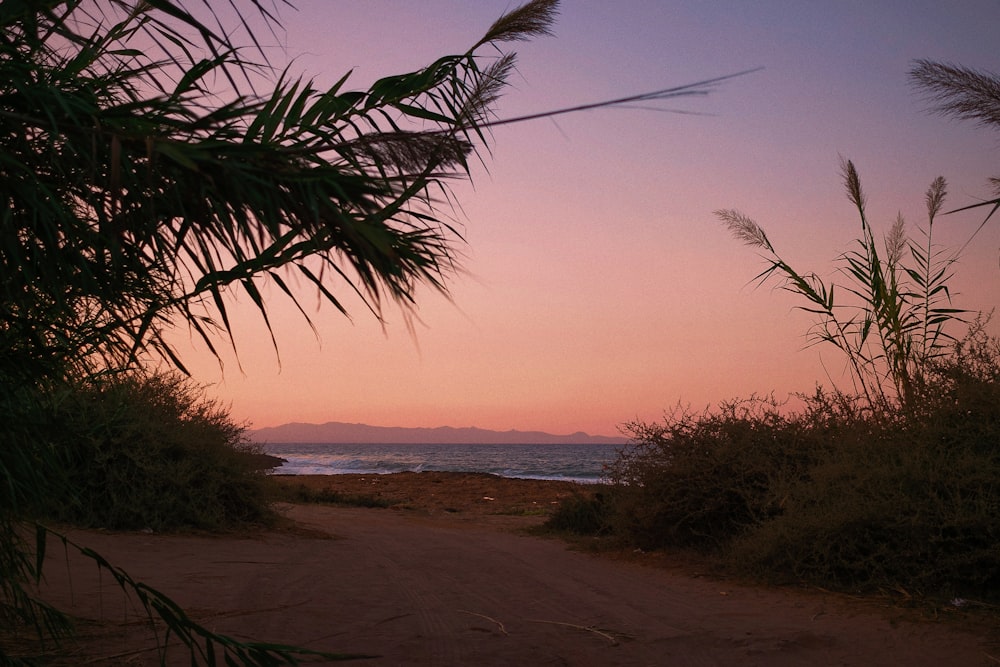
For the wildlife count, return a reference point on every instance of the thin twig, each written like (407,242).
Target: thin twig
(587,628)
(503,630)
(127,654)
(246,612)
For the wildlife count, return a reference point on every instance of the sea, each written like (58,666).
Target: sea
(577,463)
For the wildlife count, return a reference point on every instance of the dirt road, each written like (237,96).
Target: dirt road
(424,590)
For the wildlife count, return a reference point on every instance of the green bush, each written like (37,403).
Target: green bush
(151,452)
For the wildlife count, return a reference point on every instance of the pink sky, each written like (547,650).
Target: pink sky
(598,286)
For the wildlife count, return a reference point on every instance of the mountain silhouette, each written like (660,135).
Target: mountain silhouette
(343,433)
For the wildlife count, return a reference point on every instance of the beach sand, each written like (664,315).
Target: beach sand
(447,576)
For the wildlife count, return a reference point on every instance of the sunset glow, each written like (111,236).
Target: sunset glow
(597,286)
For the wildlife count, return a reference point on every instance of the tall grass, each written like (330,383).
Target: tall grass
(893,320)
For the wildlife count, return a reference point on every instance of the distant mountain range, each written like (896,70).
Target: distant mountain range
(339,432)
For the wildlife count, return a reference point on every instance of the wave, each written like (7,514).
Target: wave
(577,463)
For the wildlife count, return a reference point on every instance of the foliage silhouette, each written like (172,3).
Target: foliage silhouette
(147,181)
(964,93)
(892,324)
(138,194)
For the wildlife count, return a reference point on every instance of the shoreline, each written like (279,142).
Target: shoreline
(438,492)
(581,481)
(575,463)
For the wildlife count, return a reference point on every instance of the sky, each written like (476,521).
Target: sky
(598,288)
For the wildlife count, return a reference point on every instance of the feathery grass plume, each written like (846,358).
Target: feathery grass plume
(487,91)
(533,19)
(744,228)
(963,93)
(895,240)
(957,91)
(935,196)
(852,183)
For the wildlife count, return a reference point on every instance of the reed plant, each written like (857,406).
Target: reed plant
(893,320)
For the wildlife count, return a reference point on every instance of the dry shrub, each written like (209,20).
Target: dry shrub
(832,495)
(698,480)
(582,514)
(916,506)
(895,513)
(150,451)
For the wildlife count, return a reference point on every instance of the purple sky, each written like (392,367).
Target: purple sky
(599,288)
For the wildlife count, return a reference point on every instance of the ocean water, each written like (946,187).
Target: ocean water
(578,463)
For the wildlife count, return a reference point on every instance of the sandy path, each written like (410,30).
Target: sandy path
(424,590)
